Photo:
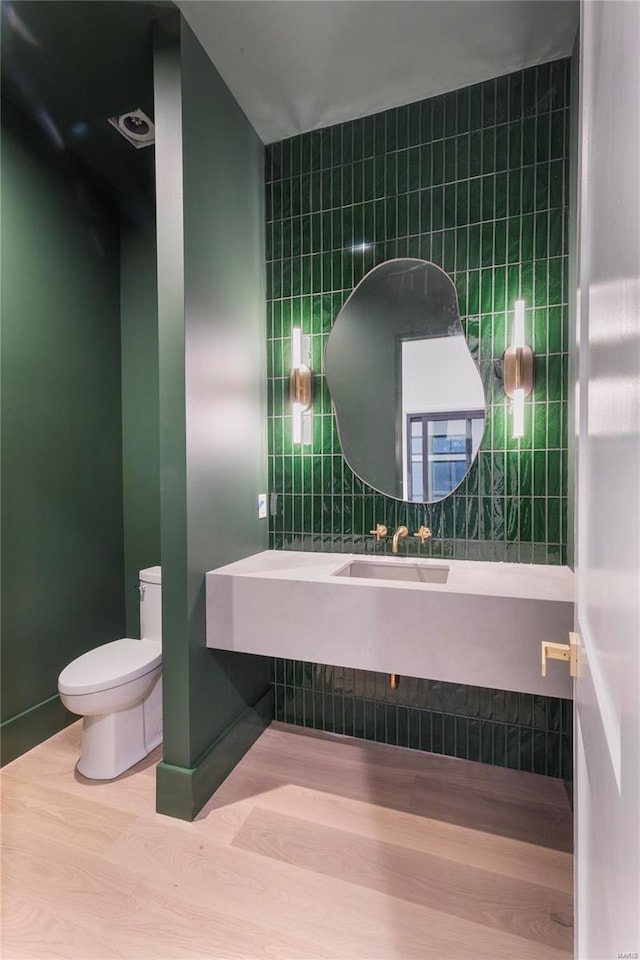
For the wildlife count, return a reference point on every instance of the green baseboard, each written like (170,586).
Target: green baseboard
(182,792)
(32,727)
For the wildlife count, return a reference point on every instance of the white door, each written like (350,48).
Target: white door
(607,691)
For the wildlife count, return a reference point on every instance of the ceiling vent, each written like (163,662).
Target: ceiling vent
(136,127)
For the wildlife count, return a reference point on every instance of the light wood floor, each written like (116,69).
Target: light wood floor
(315,846)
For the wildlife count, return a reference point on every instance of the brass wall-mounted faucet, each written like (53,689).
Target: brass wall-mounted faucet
(400,532)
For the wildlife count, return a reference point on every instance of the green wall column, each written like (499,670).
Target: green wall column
(210,218)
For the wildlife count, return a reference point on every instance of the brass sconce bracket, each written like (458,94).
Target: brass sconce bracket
(518,370)
(301,386)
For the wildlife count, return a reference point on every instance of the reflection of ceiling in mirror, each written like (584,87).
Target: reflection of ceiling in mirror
(438,375)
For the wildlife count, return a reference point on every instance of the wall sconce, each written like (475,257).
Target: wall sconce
(300,387)
(518,369)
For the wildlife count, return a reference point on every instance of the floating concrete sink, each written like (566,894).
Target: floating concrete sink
(461,621)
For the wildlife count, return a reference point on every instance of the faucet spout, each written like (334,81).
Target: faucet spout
(400,532)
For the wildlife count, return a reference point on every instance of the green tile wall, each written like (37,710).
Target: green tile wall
(475,180)
(516,730)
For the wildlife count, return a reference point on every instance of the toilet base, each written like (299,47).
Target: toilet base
(113,742)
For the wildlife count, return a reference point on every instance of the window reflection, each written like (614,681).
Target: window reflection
(442,448)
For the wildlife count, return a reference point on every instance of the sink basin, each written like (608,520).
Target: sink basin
(412,572)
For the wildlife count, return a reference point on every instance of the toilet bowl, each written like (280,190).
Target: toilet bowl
(117,690)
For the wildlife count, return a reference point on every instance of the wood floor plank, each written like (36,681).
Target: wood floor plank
(55,768)
(46,811)
(137,907)
(492,781)
(315,846)
(347,919)
(547,825)
(512,858)
(30,932)
(366,770)
(513,906)
(281,761)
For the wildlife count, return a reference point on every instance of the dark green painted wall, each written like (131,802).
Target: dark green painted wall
(62,550)
(140,410)
(212,389)
(476,181)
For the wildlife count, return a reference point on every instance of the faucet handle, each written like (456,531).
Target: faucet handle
(380,531)
(423,534)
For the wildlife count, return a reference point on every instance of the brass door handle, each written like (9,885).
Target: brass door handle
(380,531)
(561,651)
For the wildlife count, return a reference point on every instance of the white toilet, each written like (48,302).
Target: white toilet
(117,690)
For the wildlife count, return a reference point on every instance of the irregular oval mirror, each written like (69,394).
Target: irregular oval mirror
(407,395)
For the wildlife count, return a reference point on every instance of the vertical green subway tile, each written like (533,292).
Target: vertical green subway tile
(501,195)
(555,291)
(488,183)
(499,288)
(488,150)
(437,163)
(556,146)
(554,424)
(556,233)
(437,118)
(462,156)
(527,194)
(525,519)
(462,203)
(559,83)
(502,135)
(553,519)
(514,193)
(450,149)
(486,291)
(475,181)
(543,131)
(515,145)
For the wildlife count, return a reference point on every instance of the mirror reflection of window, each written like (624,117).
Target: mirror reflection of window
(442,414)
(441,450)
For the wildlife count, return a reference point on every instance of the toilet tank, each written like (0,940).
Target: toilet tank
(151,604)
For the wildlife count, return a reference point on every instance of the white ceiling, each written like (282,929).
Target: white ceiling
(296,65)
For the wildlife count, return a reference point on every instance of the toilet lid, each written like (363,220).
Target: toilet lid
(110,665)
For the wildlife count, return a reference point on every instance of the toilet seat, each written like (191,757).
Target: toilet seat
(110,665)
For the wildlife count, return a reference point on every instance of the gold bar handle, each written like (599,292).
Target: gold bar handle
(561,651)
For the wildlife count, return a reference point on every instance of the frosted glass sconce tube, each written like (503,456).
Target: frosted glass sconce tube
(518,369)
(300,387)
